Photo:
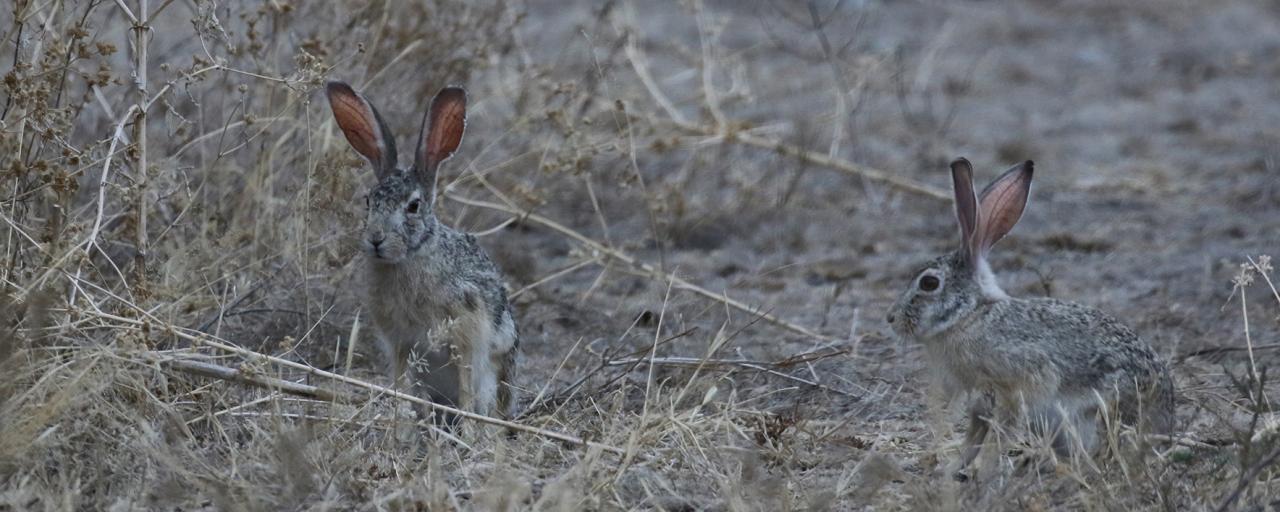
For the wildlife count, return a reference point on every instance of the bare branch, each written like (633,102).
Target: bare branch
(813,157)
(219,344)
(645,268)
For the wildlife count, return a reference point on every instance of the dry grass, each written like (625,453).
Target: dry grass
(180,328)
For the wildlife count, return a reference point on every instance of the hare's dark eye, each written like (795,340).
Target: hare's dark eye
(413,206)
(929,283)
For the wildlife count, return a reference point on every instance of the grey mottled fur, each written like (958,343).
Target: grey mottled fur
(1046,362)
(435,298)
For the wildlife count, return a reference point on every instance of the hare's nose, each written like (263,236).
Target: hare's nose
(376,241)
(890,317)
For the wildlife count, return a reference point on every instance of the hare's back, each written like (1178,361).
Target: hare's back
(1091,348)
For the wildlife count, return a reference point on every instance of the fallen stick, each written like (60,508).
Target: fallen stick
(695,361)
(687,361)
(284,386)
(1213,351)
(699,363)
(262,381)
(652,271)
(1185,442)
(213,342)
(812,157)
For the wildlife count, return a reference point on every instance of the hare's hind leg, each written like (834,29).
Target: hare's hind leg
(1071,427)
(506,384)
(979,426)
(506,357)
(435,377)
(493,368)
(483,379)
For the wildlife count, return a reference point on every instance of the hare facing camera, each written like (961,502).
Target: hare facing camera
(1055,367)
(435,298)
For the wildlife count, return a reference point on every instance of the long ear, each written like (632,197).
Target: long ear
(441,135)
(363,126)
(966,205)
(1001,205)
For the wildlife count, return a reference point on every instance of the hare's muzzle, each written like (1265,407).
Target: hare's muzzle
(374,242)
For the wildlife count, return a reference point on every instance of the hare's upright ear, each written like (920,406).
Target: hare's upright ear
(441,135)
(966,206)
(1001,205)
(363,126)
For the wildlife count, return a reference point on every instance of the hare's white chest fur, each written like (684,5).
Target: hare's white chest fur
(983,355)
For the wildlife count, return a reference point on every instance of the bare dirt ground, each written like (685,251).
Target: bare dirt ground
(704,211)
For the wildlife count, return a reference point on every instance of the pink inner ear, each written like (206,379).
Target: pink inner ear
(1002,205)
(966,203)
(446,124)
(357,124)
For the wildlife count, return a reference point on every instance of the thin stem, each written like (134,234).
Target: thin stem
(140,43)
(1248,340)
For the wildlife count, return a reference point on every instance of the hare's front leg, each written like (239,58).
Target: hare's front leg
(396,357)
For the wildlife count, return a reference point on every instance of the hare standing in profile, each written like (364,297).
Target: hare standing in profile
(437,301)
(1052,364)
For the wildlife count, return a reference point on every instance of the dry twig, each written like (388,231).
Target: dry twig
(219,344)
(730,134)
(253,379)
(649,270)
